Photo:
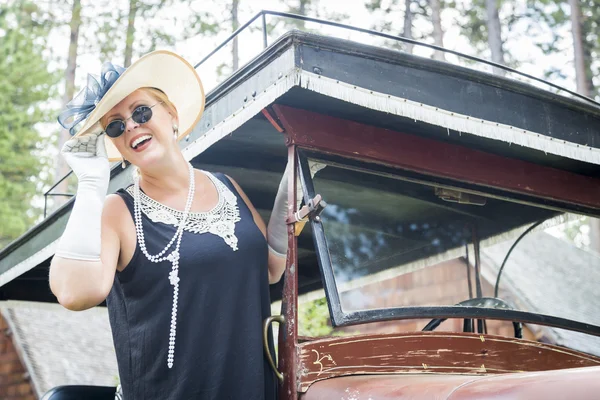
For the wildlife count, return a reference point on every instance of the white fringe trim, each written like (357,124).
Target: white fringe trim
(242,115)
(447,119)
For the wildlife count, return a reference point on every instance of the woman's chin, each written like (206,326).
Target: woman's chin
(144,159)
(148,159)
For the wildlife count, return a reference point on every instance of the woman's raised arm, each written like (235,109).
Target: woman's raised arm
(83,268)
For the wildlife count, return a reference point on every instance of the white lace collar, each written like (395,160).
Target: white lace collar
(220,220)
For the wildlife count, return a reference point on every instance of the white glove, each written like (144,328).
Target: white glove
(277,227)
(86,155)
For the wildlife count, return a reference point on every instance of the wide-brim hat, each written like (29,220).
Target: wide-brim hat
(163,70)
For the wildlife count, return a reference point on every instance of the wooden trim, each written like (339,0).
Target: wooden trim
(430,352)
(411,152)
(267,114)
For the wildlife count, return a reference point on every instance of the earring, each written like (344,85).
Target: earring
(123,165)
(175,131)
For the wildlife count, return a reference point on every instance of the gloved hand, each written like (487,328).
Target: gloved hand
(86,155)
(277,227)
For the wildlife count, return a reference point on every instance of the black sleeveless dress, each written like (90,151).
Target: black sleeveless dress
(223,300)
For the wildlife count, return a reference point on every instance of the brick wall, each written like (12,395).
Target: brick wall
(14,379)
(443,284)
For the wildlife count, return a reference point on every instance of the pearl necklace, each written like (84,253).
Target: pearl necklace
(173,257)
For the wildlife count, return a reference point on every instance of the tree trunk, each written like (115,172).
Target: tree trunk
(72,59)
(577,32)
(587,59)
(61,166)
(234,25)
(302,11)
(130,33)
(407,31)
(494,34)
(582,54)
(302,6)
(438,33)
(585,87)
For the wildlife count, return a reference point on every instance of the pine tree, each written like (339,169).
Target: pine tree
(230,18)
(130,33)
(494,33)
(235,23)
(483,29)
(300,7)
(61,166)
(25,84)
(310,8)
(123,31)
(438,32)
(398,17)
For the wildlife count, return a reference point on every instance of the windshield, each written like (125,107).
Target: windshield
(397,242)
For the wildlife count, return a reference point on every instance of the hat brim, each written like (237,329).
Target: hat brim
(160,69)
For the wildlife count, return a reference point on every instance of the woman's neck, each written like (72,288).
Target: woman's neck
(172,178)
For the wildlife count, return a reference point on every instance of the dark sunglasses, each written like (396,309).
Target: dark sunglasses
(140,115)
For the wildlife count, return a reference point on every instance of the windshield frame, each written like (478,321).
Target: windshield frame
(340,318)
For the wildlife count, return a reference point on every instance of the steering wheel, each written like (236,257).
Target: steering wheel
(487,302)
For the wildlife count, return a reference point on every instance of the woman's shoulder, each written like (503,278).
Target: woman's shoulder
(115,203)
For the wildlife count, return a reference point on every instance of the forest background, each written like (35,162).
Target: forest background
(48,47)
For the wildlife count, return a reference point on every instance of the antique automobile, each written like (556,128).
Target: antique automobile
(424,192)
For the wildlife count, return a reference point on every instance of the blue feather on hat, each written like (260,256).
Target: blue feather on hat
(86,100)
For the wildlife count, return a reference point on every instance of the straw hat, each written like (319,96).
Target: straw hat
(161,69)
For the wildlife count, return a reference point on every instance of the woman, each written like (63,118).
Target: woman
(182,257)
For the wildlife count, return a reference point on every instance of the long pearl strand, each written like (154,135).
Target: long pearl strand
(173,257)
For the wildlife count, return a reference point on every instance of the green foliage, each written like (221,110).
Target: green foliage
(277,26)
(547,15)
(150,33)
(475,27)
(156,25)
(109,33)
(577,232)
(201,23)
(553,17)
(390,19)
(25,84)
(313,319)
(301,7)
(590,10)
(205,23)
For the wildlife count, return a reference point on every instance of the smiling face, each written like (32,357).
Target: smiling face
(150,142)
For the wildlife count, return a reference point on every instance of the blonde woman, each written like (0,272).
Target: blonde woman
(182,258)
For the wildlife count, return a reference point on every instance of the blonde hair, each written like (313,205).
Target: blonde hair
(158,95)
